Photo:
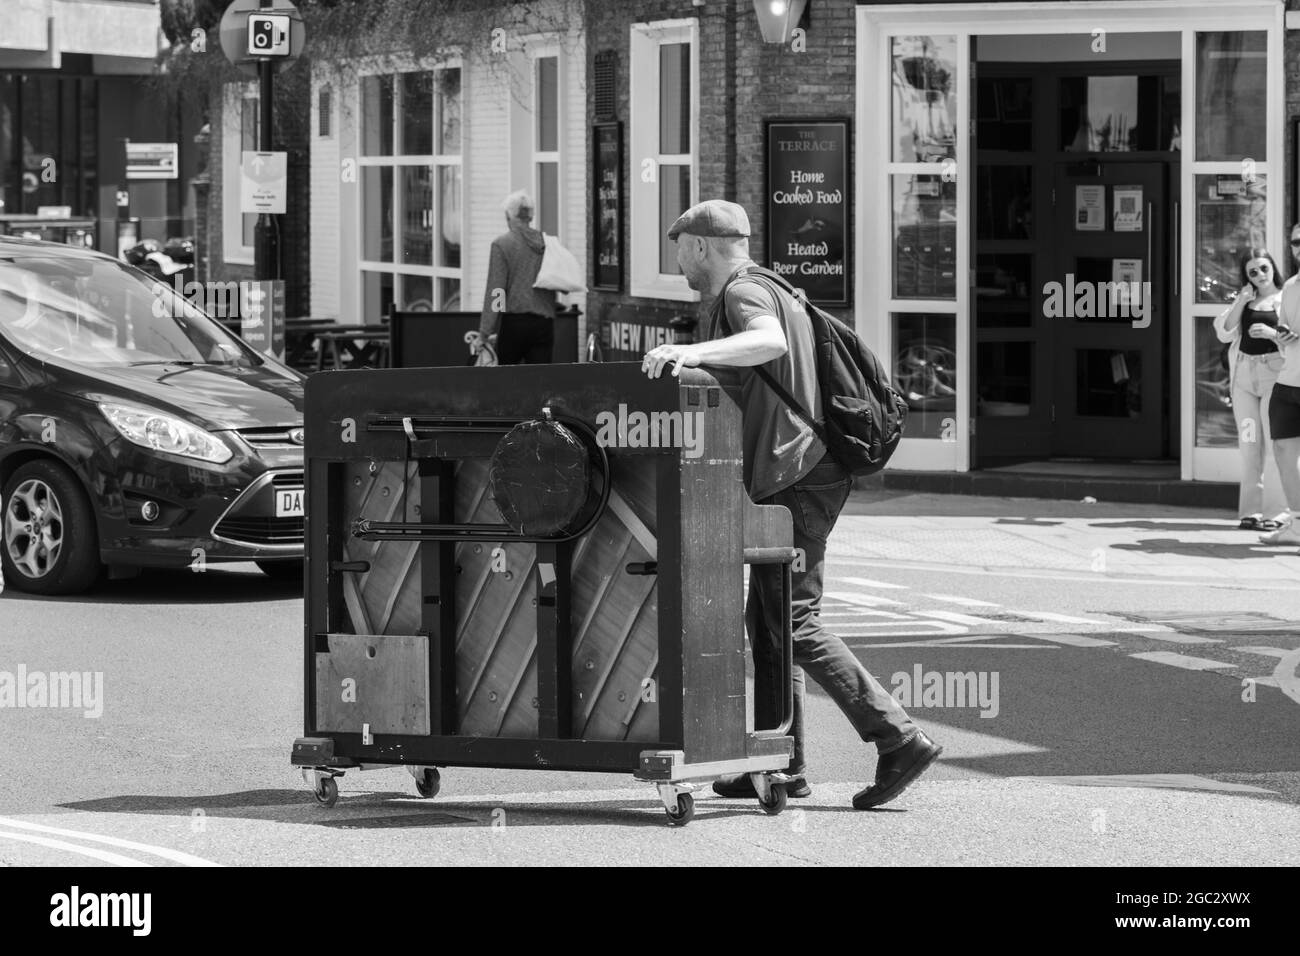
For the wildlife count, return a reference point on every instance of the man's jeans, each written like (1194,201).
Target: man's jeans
(814,502)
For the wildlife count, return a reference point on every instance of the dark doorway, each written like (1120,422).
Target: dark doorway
(1072,237)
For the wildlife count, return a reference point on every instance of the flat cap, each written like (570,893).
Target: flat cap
(713,217)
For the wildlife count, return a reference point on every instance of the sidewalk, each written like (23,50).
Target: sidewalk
(1096,541)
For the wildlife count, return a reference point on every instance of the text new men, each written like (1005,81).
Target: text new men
(626,429)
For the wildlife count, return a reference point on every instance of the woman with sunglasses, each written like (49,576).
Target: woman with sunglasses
(1284,405)
(1250,326)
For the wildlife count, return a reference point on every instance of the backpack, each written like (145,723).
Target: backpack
(864,416)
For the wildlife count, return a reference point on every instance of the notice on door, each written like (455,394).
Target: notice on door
(1128,209)
(1090,208)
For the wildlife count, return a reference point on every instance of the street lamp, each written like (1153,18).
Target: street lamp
(778,18)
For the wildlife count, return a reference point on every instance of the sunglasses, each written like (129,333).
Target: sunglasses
(1260,270)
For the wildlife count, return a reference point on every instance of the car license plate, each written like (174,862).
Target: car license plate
(288,502)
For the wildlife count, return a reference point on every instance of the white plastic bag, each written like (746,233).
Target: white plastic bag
(560,271)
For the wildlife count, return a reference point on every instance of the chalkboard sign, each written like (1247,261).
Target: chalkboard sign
(607,206)
(808,206)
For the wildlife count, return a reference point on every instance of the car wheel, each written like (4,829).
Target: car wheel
(282,570)
(48,540)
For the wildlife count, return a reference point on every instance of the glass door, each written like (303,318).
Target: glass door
(1108,304)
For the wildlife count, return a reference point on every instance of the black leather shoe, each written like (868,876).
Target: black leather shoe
(742,788)
(895,770)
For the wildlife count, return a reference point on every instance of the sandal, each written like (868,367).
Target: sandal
(1252,523)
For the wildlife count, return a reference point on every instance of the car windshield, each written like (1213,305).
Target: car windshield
(100,312)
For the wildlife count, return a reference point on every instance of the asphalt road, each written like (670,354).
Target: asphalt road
(1140,708)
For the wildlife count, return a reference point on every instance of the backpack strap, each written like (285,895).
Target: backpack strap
(757,272)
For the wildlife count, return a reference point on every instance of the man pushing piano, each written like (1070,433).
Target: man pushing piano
(757,324)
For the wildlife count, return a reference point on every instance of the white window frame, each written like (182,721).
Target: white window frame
(645,279)
(537,155)
(233,250)
(396,162)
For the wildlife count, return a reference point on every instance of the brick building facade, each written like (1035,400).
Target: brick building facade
(742,82)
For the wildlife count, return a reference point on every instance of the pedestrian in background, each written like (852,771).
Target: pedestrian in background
(1284,407)
(786,464)
(1250,326)
(518,319)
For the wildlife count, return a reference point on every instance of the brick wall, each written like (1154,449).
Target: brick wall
(743,83)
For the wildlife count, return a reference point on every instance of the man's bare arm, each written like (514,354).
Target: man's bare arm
(762,341)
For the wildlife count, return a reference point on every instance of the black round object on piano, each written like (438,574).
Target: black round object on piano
(540,477)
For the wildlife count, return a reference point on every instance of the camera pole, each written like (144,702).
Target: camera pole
(266,240)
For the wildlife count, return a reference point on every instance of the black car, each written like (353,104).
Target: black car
(134,430)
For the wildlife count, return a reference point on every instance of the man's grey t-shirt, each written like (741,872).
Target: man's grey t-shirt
(780,447)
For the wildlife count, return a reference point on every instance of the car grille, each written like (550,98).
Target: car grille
(267,437)
(262,530)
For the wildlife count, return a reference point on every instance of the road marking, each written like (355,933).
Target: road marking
(964,601)
(947,643)
(864,600)
(1053,618)
(1074,640)
(1237,584)
(1265,651)
(102,855)
(1287,675)
(1173,637)
(869,583)
(970,620)
(1180,660)
(176,856)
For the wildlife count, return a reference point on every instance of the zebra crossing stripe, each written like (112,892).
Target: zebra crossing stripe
(869,583)
(970,620)
(864,600)
(1180,660)
(1073,640)
(1054,618)
(963,601)
(1173,637)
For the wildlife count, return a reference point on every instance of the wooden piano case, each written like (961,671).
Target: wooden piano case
(437,636)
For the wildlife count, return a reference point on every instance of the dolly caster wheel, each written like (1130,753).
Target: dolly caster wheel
(776,802)
(428,783)
(685,811)
(327,792)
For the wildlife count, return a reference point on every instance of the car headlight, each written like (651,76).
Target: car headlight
(152,429)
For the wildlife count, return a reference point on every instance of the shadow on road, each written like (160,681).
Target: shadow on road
(1147,525)
(165,586)
(397,810)
(1205,549)
(1093,712)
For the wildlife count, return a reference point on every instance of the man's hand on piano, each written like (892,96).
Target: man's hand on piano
(676,355)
